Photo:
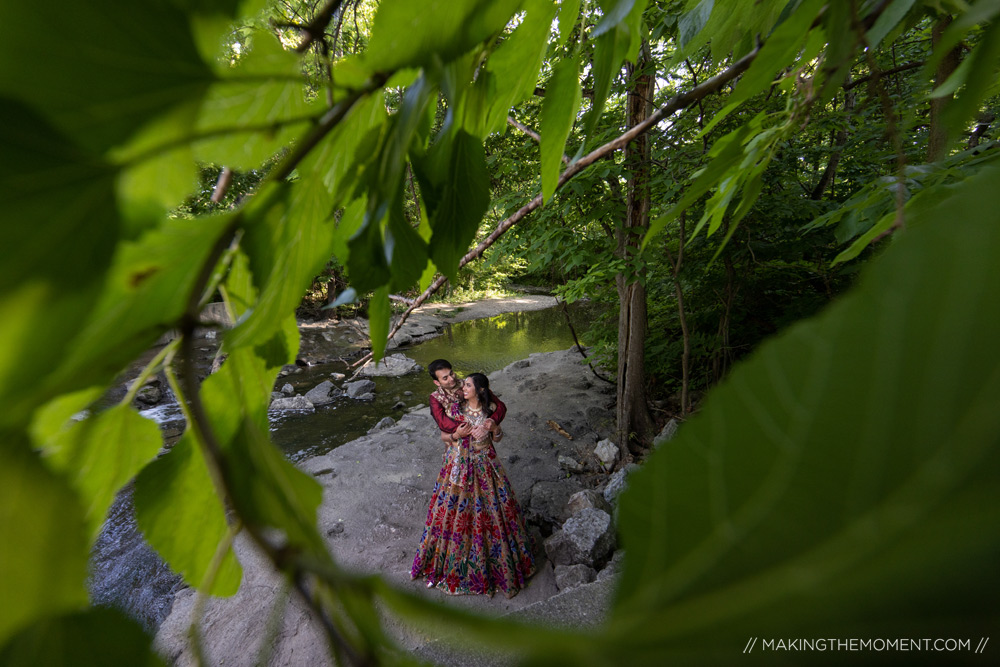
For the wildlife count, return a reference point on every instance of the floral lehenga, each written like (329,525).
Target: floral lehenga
(474,540)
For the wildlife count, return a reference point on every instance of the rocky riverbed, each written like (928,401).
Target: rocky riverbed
(376,492)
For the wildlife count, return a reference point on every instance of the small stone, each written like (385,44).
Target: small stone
(382,424)
(287,389)
(607,452)
(399,405)
(275,395)
(365,397)
(570,464)
(407,393)
(613,567)
(571,576)
(336,529)
(337,376)
(299,403)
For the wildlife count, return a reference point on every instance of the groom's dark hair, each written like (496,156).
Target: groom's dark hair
(437,365)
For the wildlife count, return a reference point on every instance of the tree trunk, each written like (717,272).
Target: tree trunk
(937,140)
(634,425)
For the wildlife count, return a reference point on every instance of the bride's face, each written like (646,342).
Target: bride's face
(468,388)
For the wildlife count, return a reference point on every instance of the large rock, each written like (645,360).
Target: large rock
(618,483)
(667,434)
(323,393)
(359,389)
(607,452)
(150,395)
(548,500)
(394,365)
(571,576)
(293,403)
(587,499)
(588,538)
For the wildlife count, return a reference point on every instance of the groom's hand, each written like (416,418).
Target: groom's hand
(463,430)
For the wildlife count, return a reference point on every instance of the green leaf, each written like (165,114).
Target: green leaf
(256,110)
(43,540)
(144,52)
(569,13)
(147,290)
(888,20)
(158,168)
(562,100)
(350,221)
(405,250)
(981,77)
(288,240)
(181,516)
(692,22)
(780,48)
(60,228)
(413,35)
(101,454)
(267,489)
(379,311)
(806,496)
(366,262)
(464,199)
(618,38)
(92,638)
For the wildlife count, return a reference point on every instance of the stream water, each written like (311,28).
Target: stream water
(483,345)
(126,573)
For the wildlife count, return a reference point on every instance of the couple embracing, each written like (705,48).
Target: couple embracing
(474,540)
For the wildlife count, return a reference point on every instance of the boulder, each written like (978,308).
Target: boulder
(587,538)
(588,498)
(548,500)
(618,483)
(571,576)
(292,403)
(360,389)
(667,434)
(394,365)
(151,394)
(323,393)
(382,424)
(607,452)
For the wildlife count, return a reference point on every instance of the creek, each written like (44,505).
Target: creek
(126,573)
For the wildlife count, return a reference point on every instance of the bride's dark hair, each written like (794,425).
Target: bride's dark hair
(482,386)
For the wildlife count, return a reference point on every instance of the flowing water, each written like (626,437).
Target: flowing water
(483,345)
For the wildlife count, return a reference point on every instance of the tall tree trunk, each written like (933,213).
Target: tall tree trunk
(937,140)
(634,425)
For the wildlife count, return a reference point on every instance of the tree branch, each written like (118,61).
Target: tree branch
(677,103)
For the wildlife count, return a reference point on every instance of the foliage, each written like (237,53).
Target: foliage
(816,498)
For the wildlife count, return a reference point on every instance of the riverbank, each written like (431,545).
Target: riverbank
(376,492)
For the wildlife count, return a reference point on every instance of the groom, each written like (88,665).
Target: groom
(447,394)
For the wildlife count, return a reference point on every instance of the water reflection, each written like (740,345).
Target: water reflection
(483,345)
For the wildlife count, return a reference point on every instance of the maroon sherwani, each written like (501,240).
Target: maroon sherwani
(441,402)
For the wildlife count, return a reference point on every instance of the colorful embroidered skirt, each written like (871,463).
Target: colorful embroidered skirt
(474,540)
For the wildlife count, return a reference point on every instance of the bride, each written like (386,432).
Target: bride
(474,539)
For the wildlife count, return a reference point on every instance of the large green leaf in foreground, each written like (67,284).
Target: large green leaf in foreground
(845,481)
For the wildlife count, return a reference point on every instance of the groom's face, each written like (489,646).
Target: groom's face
(446,379)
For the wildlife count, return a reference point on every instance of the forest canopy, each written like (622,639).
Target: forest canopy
(807,188)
